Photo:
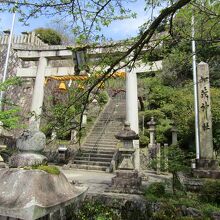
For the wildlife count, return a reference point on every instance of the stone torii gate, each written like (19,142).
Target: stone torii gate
(41,67)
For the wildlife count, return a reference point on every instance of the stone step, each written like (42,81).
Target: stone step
(95,159)
(88,167)
(98,151)
(104,123)
(100,131)
(99,148)
(97,134)
(105,138)
(93,163)
(91,154)
(102,140)
(93,142)
(100,145)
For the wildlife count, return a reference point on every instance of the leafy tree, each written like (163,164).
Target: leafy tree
(176,163)
(49,36)
(10,116)
(177,63)
(88,18)
(168,104)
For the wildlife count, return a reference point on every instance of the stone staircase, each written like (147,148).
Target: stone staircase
(99,147)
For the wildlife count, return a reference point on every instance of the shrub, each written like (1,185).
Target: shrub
(144,140)
(156,189)
(166,212)
(102,98)
(210,191)
(93,211)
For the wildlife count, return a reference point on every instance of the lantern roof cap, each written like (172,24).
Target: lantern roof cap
(151,122)
(127,133)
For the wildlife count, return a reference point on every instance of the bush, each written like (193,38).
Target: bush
(156,189)
(210,191)
(93,211)
(102,98)
(144,141)
(166,212)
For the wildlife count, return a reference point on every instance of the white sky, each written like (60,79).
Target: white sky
(117,30)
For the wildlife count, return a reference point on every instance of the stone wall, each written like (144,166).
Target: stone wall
(19,95)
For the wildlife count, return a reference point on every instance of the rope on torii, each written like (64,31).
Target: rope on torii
(120,74)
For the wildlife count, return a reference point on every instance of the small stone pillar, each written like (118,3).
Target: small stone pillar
(2,147)
(165,154)
(6,36)
(73,137)
(152,131)
(2,163)
(84,118)
(158,156)
(1,127)
(24,37)
(174,134)
(127,179)
(53,135)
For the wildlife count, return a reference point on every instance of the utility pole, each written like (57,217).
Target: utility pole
(195,82)
(7,57)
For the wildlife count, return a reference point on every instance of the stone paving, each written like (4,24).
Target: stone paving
(99,181)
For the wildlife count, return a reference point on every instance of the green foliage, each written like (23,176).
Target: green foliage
(176,159)
(210,191)
(215,97)
(143,140)
(49,36)
(102,97)
(156,189)
(10,116)
(62,111)
(168,104)
(176,163)
(93,211)
(167,211)
(170,205)
(12,81)
(177,62)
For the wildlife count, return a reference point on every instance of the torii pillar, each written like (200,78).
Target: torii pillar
(132,111)
(38,93)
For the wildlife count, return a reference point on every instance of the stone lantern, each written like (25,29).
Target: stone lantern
(127,179)
(127,136)
(152,131)
(29,191)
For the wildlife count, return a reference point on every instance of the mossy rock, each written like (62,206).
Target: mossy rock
(49,169)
